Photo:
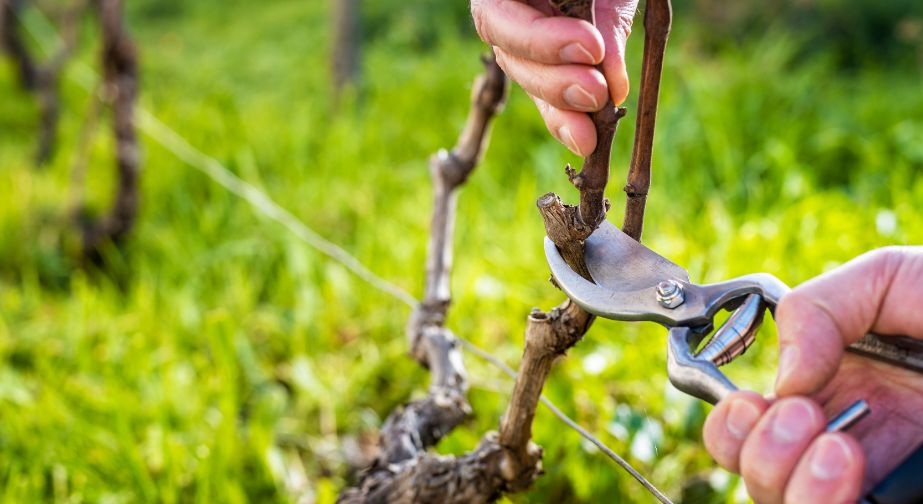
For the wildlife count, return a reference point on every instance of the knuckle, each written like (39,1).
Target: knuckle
(625,17)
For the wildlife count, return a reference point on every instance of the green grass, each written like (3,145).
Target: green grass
(218,350)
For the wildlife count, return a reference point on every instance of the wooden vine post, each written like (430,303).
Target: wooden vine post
(507,460)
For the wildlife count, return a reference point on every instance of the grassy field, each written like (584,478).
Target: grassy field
(219,359)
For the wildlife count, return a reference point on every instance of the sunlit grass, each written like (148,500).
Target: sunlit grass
(219,349)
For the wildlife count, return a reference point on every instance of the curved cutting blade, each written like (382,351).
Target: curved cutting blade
(627,273)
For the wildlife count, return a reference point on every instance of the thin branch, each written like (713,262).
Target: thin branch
(594,175)
(41,78)
(658,17)
(550,335)
(449,170)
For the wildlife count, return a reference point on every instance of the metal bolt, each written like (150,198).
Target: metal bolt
(670,294)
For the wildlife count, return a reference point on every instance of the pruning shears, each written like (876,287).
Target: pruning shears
(633,283)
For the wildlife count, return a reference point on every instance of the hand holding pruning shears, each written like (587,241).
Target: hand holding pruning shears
(569,67)
(780,445)
(882,292)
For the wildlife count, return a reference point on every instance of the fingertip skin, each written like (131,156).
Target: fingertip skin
(776,444)
(618,86)
(831,470)
(729,424)
(559,85)
(528,32)
(573,129)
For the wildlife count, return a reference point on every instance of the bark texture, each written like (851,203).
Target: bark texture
(120,72)
(594,174)
(592,179)
(403,471)
(568,226)
(658,17)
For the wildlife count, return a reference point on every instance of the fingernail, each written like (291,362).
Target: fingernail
(794,420)
(579,98)
(741,418)
(567,137)
(831,458)
(788,362)
(576,53)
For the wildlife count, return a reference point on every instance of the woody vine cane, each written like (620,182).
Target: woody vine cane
(507,461)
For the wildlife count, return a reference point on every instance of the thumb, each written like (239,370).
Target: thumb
(613,20)
(880,291)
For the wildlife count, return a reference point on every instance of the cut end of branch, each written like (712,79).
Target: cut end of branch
(566,229)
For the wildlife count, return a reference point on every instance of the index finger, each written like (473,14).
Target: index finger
(524,31)
(880,291)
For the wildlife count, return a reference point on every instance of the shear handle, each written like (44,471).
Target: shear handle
(696,377)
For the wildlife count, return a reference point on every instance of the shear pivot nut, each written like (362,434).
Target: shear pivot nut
(670,294)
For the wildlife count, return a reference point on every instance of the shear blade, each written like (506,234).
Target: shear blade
(617,262)
(626,274)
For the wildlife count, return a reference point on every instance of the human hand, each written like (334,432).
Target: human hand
(552,57)
(779,446)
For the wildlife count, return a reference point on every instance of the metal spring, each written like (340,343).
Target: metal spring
(737,334)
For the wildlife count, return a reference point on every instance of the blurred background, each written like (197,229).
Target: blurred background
(216,358)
